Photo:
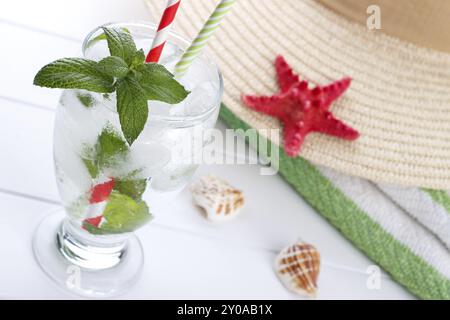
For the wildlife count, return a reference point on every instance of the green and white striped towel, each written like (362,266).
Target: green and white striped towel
(431,208)
(402,230)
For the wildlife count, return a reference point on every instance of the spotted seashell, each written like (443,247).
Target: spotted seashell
(298,267)
(218,198)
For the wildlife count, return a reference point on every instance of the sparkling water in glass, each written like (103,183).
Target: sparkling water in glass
(163,158)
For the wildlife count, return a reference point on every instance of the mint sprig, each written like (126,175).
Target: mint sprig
(125,73)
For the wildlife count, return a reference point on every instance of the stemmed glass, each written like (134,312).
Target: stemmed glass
(104,183)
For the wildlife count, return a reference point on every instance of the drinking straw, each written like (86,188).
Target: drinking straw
(202,38)
(163,31)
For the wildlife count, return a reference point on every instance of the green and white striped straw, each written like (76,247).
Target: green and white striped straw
(202,38)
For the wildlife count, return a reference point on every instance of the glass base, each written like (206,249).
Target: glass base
(101,269)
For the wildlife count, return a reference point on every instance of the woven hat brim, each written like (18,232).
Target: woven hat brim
(399,100)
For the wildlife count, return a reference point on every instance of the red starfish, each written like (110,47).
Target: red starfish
(302,110)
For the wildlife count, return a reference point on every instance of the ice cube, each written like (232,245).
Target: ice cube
(146,159)
(76,121)
(72,175)
(201,99)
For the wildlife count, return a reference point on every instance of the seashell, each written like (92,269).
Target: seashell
(297,267)
(218,198)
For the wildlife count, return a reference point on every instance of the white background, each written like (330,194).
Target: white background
(186,257)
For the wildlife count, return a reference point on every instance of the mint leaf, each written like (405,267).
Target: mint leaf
(113,66)
(89,156)
(132,108)
(120,44)
(92,167)
(132,188)
(110,146)
(159,84)
(122,214)
(138,58)
(86,99)
(108,150)
(74,73)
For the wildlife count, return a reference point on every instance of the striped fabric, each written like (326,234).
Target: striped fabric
(205,33)
(430,207)
(406,239)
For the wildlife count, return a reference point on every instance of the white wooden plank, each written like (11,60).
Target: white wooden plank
(71,18)
(27,156)
(270,222)
(26,53)
(20,276)
(179,265)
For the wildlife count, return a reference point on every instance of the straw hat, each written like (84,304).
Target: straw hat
(399,100)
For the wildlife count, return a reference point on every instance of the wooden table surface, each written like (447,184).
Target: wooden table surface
(186,256)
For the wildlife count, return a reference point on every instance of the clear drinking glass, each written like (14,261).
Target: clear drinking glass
(104,182)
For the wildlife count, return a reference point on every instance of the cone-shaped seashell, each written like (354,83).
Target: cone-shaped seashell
(298,266)
(219,199)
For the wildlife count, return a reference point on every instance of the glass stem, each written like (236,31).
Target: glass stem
(89,251)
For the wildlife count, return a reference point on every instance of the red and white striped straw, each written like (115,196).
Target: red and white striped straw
(163,31)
